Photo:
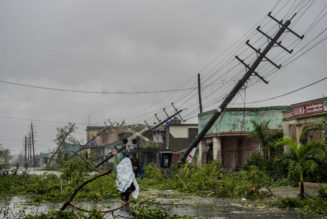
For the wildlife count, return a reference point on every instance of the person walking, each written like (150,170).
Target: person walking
(126,181)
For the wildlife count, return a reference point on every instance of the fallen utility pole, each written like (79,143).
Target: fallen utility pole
(109,156)
(242,81)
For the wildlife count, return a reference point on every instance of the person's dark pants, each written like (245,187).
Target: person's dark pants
(125,195)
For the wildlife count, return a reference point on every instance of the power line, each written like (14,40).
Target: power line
(36,120)
(293,91)
(94,92)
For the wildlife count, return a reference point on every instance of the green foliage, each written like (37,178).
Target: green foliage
(148,210)
(95,214)
(266,138)
(51,188)
(323,192)
(152,176)
(102,188)
(74,171)
(288,203)
(45,187)
(70,214)
(53,214)
(302,157)
(9,181)
(275,167)
(210,180)
(312,205)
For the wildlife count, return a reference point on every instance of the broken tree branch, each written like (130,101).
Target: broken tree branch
(64,206)
(87,162)
(114,209)
(271,193)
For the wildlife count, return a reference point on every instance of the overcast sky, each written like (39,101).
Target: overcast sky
(138,46)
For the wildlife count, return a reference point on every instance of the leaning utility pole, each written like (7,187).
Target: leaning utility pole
(241,82)
(199,92)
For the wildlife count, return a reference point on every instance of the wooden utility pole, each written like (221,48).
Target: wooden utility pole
(242,81)
(25,146)
(32,143)
(29,150)
(199,92)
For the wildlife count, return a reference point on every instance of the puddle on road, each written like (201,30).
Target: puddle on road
(224,208)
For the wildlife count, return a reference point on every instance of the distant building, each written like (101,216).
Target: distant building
(226,139)
(44,159)
(172,136)
(305,114)
(179,137)
(144,147)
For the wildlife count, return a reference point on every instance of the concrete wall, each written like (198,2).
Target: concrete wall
(229,133)
(236,150)
(293,127)
(180,131)
(302,115)
(178,136)
(108,137)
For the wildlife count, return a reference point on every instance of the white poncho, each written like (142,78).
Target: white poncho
(125,177)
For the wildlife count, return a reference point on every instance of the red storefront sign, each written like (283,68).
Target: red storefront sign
(308,109)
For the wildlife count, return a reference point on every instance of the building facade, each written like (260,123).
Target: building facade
(145,147)
(227,139)
(304,115)
(178,137)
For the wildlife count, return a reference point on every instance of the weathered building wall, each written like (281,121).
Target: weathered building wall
(302,115)
(110,136)
(239,119)
(236,150)
(227,139)
(178,136)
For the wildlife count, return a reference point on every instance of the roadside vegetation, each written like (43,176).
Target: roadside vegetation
(53,188)
(304,162)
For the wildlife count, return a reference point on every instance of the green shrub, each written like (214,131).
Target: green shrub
(276,167)
(323,192)
(210,180)
(53,214)
(74,171)
(148,210)
(312,205)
